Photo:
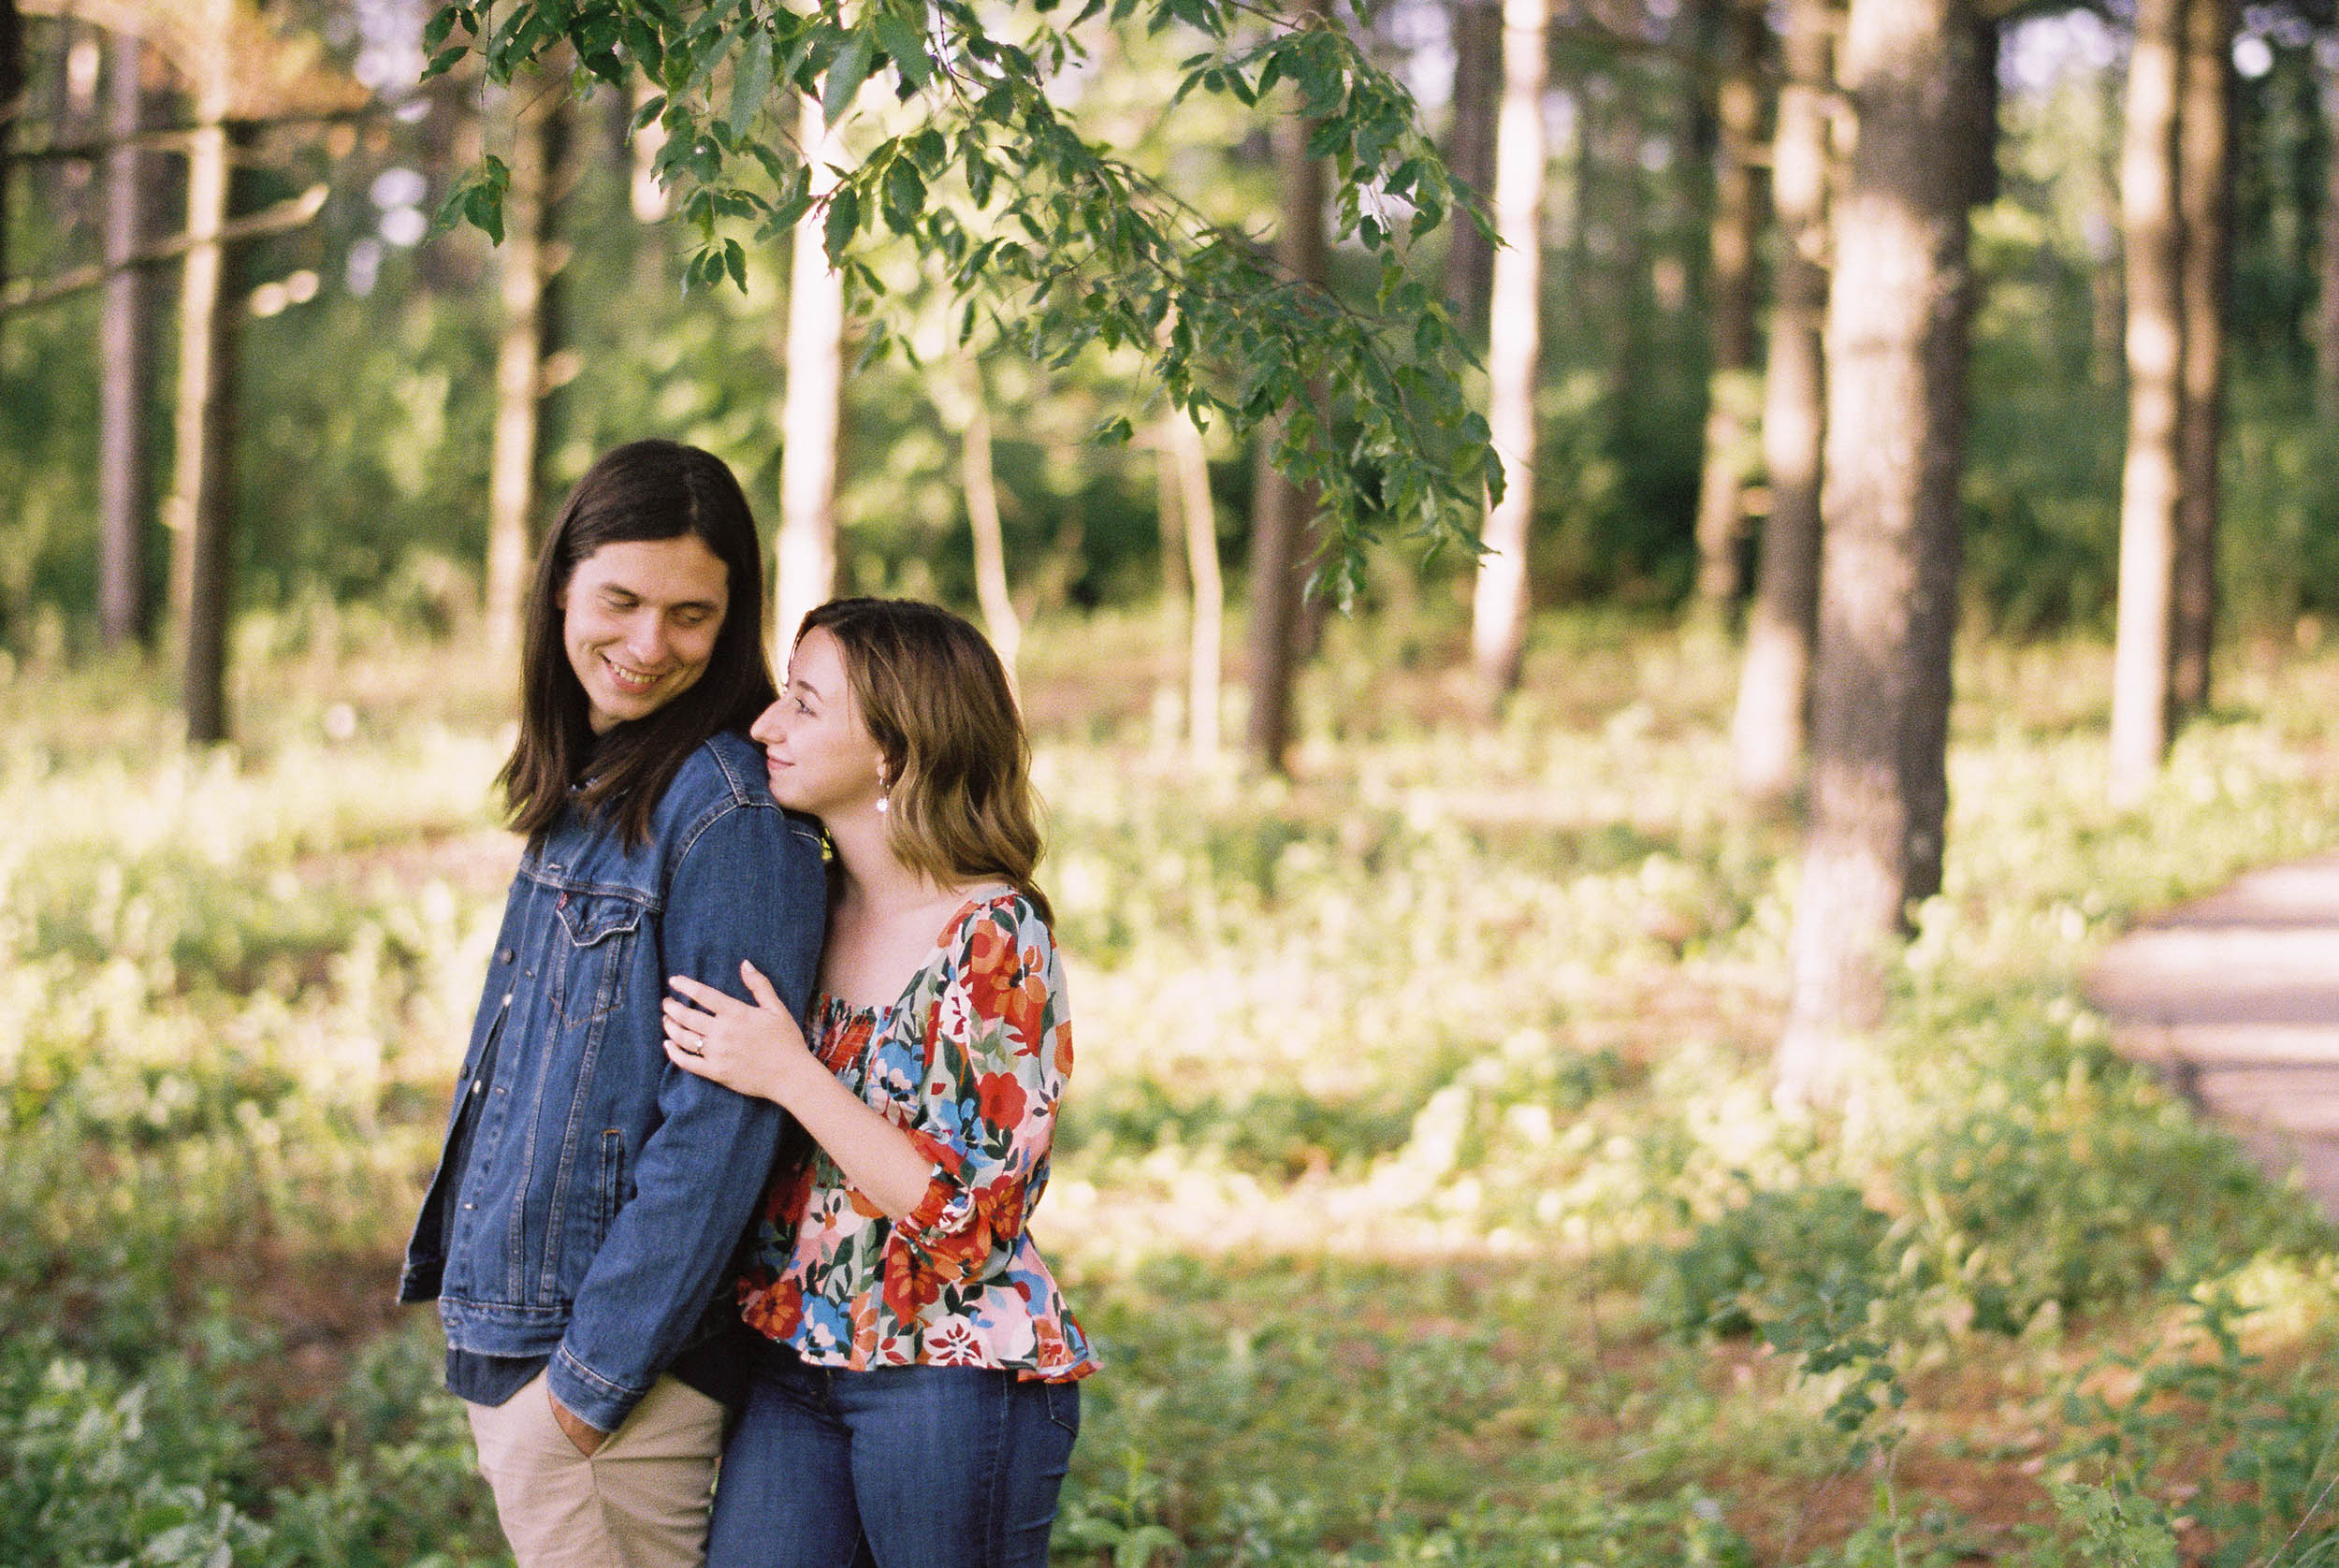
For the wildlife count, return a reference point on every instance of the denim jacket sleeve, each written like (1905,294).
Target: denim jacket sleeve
(748,886)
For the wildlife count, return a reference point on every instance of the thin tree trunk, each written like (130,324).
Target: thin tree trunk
(1281,510)
(1775,689)
(815,349)
(125,395)
(2326,260)
(2205,175)
(647,200)
(1730,393)
(203,500)
(519,367)
(1477,35)
(1498,624)
(12,101)
(2149,479)
(1897,334)
(982,518)
(1189,466)
(1622,206)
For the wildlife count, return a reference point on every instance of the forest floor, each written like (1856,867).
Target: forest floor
(2236,999)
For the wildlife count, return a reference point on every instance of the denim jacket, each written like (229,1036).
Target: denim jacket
(606,1189)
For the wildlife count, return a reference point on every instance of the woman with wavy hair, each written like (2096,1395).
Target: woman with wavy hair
(914,1397)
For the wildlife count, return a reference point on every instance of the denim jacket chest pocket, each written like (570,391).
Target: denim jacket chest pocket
(600,928)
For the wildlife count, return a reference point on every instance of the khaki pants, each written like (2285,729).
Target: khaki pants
(640,1501)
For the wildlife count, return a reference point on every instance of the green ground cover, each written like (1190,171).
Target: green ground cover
(1419,1178)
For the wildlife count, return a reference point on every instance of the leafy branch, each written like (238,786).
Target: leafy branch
(1068,244)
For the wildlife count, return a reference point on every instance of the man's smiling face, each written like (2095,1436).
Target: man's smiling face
(639,620)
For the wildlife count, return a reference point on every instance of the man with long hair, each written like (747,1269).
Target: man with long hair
(580,1230)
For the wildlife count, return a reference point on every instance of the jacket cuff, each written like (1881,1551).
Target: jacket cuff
(600,1403)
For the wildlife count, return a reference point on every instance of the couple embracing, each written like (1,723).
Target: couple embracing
(748,1131)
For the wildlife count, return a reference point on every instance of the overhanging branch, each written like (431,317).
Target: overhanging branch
(28,294)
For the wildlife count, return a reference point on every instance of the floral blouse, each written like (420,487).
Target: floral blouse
(969,1060)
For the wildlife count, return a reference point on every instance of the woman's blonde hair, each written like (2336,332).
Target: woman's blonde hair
(935,700)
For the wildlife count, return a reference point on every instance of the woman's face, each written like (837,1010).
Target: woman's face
(817,752)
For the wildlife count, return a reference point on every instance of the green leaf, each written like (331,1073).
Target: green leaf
(735,263)
(843,220)
(846,74)
(750,83)
(901,39)
(905,194)
(434,32)
(444,61)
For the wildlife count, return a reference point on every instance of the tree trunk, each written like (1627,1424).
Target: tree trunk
(2327,261)
(2206,201)
(2149,479)
(652,262)
(982,518)
(1188,465)
(1281,510)
(1897,334)
(126,392)
(203,498)
(1477,34)
(11,99)
(1622,213)
(519,364)
(1731,394)
(1498,625)
(808,423)
(1775,688)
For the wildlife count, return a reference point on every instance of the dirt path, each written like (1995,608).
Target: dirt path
(2236,997)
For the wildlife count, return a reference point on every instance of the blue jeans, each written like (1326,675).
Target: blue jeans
(896,1467)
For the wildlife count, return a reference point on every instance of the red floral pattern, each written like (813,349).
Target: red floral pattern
(969,1060)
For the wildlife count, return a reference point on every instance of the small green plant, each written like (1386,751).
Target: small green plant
(1802,1269)
(1122,1526)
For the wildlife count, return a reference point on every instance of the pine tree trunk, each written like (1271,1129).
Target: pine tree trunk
(1897,334)
(2149,479)
(125,394)
(807,463)
(646,198)
(203,498)
(1477,34)
(1623,212)
(1774,691)
(11,96)
(1498,626)
(1280,510)
(1730,406)
(2327,258)
(982,518)
(1184,455)
(2205,200)
(519,366)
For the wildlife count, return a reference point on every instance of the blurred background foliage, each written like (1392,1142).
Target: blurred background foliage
(367,415)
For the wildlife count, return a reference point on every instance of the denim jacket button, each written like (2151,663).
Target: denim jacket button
(509,955)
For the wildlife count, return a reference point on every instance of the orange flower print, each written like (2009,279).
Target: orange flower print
(1001,1099)
(910,1287)
(775,1312)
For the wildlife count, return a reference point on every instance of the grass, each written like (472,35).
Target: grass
(1419,1178)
